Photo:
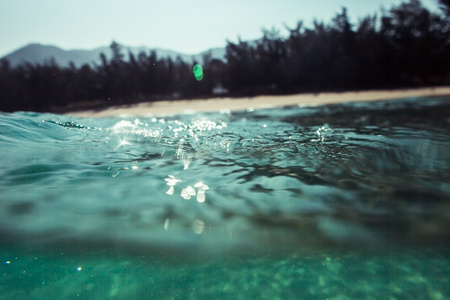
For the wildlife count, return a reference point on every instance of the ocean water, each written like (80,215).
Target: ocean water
(347,201)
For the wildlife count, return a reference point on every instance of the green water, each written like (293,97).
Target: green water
(346,201)
(332,274)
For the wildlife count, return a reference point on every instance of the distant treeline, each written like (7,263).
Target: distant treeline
(405,46)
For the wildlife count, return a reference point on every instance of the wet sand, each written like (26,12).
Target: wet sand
(259,102)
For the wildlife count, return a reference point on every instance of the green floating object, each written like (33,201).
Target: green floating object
(198,72)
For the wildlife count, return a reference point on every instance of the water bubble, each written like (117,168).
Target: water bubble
(188,192)
(166,224)
(171,180)
(201,196)
(171,190)
(186,162)
(198,226)
(198,184)
(185,194)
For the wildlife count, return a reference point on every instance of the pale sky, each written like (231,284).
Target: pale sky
(185,26)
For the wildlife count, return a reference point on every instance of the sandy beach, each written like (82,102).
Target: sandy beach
(259,102)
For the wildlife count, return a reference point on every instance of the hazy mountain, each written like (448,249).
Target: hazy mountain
(37,53)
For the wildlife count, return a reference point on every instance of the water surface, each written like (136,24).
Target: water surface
(343,201)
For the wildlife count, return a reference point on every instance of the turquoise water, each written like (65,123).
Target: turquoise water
(347,201)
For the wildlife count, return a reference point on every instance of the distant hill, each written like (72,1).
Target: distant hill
(37,53)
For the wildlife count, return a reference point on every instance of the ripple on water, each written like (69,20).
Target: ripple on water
(358,173)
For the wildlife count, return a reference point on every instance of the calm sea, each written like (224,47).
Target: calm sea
(348,201)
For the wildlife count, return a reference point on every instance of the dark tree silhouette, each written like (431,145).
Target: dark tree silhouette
(445,7)
(405,46)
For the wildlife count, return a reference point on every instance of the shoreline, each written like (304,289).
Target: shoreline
(258,102)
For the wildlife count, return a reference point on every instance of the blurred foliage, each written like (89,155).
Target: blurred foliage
(405,46)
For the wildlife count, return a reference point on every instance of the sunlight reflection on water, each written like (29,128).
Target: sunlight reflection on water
(340,201)
(317,174)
